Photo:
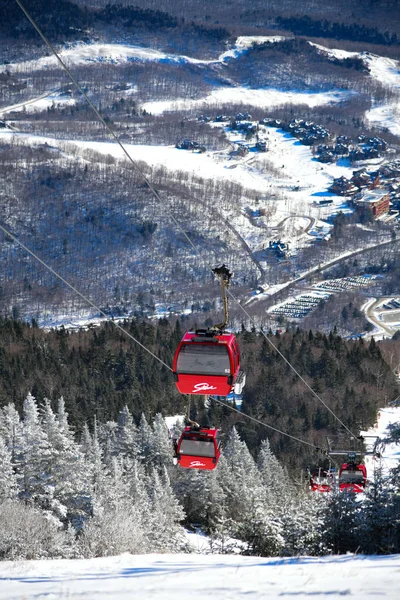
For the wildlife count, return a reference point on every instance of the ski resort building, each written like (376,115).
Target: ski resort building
(279,248)
(375,201)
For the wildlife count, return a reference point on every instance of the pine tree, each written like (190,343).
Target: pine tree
(11,429)
(66,468)
(378,520)
(201,496)
(161,454)
(97,472)
(8,480)
(239,478)
(166,513)
(273,476)
(126,435)
(144,440)
(32,464)
(340,532)
(304,521)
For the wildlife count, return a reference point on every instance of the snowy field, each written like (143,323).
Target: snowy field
(262,98)
(168,577)
(295,191)
(384,70)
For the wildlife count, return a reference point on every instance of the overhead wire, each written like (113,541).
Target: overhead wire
(175,221)
(293,437)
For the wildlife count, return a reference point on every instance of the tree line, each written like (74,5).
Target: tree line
(66,20)
(306,25)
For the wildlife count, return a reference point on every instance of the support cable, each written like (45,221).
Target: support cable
(265,424)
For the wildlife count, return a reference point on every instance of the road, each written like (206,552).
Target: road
(372,318)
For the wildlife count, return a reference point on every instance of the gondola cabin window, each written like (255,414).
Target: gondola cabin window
(203,360)
(198,447)
(351,477)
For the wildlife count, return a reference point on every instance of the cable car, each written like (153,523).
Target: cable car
(321,480)
(352,477)
(198,448)
(207,362)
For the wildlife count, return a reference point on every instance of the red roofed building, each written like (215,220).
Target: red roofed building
(376,201)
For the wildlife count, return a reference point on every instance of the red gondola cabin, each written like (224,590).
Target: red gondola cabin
(208,362)
(321,480)
(352,477)
(198,448)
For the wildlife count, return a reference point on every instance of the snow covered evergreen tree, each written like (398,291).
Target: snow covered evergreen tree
(161,454)
(303,517)
(33,461)
(239,478)
(379,518)
(11,429)
(144,440)
(163,530)
(8,480)
(201,496)
(273,476)
(246,500)
(67,473)
(340,529)
(126,435)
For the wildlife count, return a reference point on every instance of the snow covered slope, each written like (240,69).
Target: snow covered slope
(390,453)
(223,577)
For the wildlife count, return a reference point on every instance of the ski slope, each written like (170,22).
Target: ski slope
(223,577)
(390,453)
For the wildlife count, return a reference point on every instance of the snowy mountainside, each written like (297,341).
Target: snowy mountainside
(153,97)
(389,452)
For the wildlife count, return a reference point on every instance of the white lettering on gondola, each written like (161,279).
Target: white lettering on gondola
(197,463)
(203,387)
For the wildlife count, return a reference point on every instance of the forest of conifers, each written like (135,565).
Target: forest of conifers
(98,371)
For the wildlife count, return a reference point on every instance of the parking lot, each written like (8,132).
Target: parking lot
(300,306)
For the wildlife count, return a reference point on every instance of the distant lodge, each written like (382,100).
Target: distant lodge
(365,193)
(375,201)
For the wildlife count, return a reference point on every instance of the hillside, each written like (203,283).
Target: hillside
(69,195)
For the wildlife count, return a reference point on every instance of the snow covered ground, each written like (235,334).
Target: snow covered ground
(390,453)
(168,577)
(80,53)
(262,98)
(382,69)
(44,102)
(294,191)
